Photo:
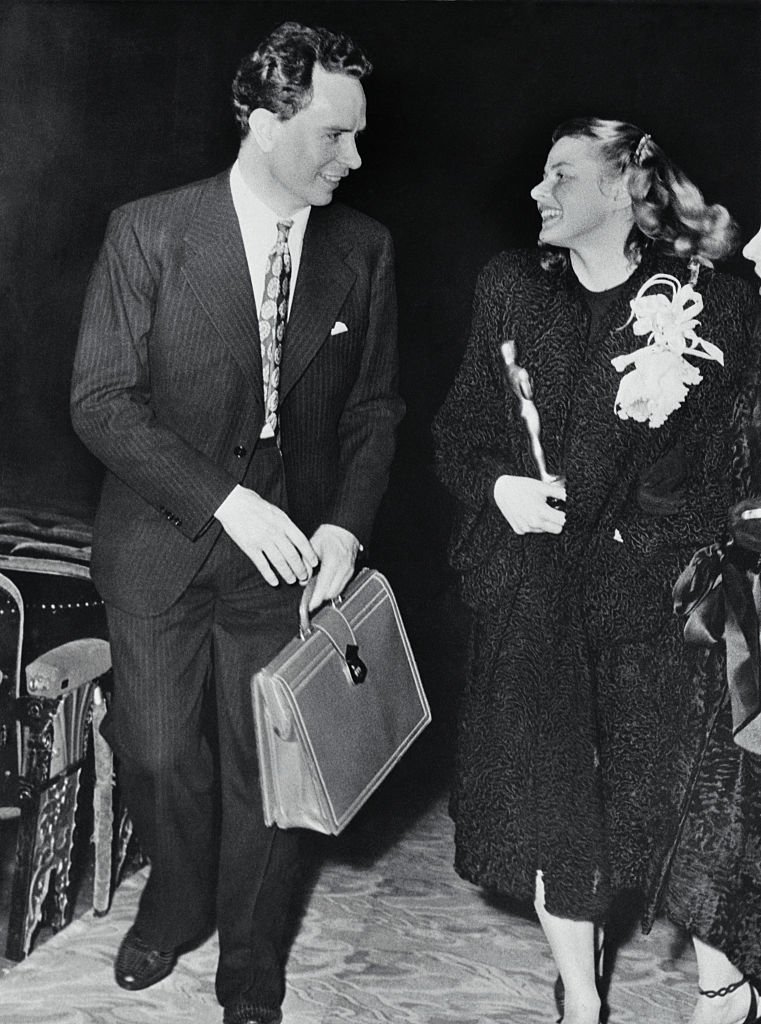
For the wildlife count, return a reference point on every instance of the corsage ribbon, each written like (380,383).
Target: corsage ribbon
(718,595)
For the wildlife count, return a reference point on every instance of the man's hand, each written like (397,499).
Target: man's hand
(337,550)
(264,533)
(523,502)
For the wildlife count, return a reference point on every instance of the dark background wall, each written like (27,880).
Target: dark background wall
(103,102)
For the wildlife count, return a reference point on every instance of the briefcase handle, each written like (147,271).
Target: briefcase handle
(336,628)
(305,625)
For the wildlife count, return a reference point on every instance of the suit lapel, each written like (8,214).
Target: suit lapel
(216,269)
(322,285)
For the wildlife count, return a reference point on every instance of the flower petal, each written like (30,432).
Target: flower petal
(659,376)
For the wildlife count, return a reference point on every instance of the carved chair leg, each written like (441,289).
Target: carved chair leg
(43,853)
(103,813)
(24,915)
(124,836)
(64,848)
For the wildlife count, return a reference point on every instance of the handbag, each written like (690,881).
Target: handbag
(337,708)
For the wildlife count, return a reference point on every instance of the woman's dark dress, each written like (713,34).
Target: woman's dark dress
(583,715)
(711,885)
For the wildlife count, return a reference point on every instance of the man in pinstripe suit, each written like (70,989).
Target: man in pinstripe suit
(211,514)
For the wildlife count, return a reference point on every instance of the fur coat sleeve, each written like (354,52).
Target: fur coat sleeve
(474,440)
(660,492)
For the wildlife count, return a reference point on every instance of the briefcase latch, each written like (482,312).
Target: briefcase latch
(357,667)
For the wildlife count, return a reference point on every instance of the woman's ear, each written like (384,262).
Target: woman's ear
(620,194)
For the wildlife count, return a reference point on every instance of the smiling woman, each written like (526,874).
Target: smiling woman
(605,178)
(585,716)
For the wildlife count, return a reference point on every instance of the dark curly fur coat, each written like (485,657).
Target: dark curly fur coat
(583,712)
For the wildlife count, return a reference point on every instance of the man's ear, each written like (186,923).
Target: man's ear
(263,126)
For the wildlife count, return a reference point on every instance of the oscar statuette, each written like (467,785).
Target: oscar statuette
(520,383)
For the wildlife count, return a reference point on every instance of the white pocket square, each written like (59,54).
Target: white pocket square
(338,328)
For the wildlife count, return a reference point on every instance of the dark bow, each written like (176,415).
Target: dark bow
(718,594)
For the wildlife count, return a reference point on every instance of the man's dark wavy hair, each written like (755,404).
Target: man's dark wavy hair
(278,74)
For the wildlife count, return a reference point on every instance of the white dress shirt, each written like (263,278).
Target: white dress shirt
(258,226)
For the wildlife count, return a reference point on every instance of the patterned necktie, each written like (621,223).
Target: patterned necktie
(273,315)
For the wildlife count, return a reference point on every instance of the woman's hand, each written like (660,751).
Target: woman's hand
(523,502)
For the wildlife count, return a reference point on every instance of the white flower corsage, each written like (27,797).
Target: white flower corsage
(658,382)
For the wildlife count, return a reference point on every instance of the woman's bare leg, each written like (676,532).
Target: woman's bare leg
(716,972)
(573,947)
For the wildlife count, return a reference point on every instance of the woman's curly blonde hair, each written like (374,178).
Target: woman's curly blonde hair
(669,209)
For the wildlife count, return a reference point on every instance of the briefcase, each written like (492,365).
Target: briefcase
(337,709)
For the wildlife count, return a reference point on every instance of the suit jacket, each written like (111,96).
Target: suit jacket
(167,384)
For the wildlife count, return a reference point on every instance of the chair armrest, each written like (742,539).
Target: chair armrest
(67,667)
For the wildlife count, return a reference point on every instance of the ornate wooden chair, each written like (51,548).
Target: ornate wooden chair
(52,699)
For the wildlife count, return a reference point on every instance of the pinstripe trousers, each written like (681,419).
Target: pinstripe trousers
(182,726)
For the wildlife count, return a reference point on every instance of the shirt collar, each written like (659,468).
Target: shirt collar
(255,213)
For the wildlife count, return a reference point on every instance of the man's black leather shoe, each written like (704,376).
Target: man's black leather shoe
(138,965)
(246,1013)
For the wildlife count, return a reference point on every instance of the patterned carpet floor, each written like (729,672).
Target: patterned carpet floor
(389,934)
